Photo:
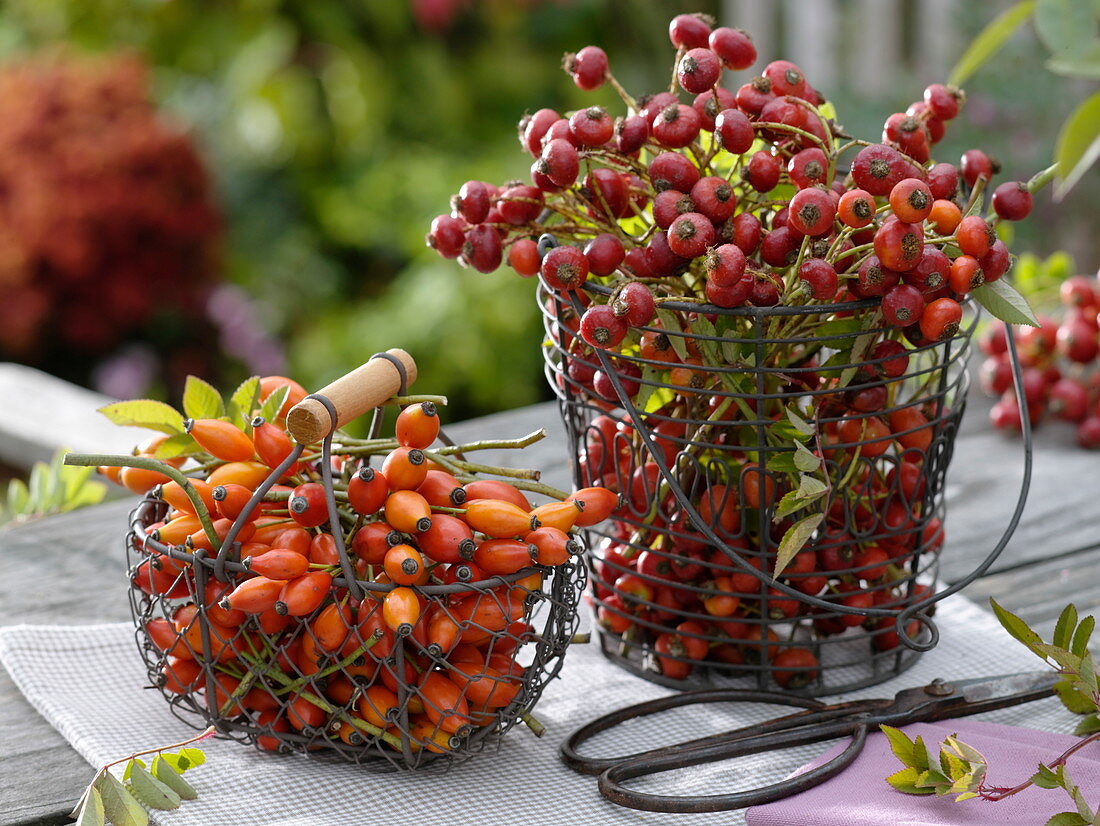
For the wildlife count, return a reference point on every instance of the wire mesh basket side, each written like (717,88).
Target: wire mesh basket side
(653,569)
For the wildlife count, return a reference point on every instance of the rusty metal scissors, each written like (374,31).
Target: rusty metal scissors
(938,700)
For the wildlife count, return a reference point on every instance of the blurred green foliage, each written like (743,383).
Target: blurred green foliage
(337,129)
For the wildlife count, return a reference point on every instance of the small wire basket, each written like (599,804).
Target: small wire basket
(702,431)
(338,681)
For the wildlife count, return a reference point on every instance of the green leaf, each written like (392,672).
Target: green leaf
(243,402)
(274,403)
(1003,301)
(91,809)
(152,792)
(180,444)
(906,781)
(1078,145)
(1086,65)
(1066,819)
(793,501)
(136,761)
(1080,643)
(1072,698)
(1063,629)
(859,353)
(989,40)
(794,539)
(965,752)
(193,755)
(119,805)
(201,400)
(701,326)
(167,775)
(1017,628)
(782,462)
(811,486)
(900,744)
(922,756)
(1066,27)
(804,460)
(650,374)
(147,413)
(1088,725)
(1044,778)
(800,424)
(670,323)
(932,779)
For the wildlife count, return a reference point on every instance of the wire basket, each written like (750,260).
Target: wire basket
(338,681)
(704,458)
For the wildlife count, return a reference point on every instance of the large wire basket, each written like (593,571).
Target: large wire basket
(338,681)
(703,457)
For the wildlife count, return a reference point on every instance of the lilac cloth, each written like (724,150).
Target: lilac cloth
(859,796)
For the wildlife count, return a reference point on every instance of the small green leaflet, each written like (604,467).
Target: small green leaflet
(1067,819)
(804,460)
(1044,778)
(274,403)
(794,539)
(180,444)
(152,792)
(906,781)
(900,744)
(119,805)
(1017,628)
(147,413)
(163,772)
(1004,301)
(701,326)
(671,325)
(646,387)
(989,40)
(201,400)
(90,809)
(243,401)
(800,424)
(1078,145)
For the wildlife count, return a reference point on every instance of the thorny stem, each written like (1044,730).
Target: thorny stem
(999,793)
(209,731)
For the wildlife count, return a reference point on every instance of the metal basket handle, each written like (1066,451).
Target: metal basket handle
(905,615)
(351,396)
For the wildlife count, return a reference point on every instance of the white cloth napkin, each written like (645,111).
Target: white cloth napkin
(87,681)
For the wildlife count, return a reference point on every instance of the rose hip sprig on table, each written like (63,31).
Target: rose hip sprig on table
(710,196)
(1060,361)
(295,646)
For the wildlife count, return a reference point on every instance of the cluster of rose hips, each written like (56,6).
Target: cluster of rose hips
(450,569)
(711,199)
(1059,361)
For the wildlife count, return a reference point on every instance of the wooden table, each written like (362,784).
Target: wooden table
(70,569)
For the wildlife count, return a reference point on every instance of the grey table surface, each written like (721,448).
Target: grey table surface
(70,569)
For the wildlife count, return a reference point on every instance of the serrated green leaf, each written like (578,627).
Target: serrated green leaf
(147,413)
(965,752)
(1066,819)
(794,540)
(1066,27)
(900,744)
(701,326)
(1063,629)
(922,755)
(811,485)
(932,779)
(193,755)
(1078,146)
(90,809)
(799,424)
(152,792)
(1080,642)
(781,462)
(1087,673)
(1017,628)
(791,502)
(1044,778)
(243,402)
(274,403)
(1083,807)
(905,781)
(167,775)
(962,785)
(670,323)
(1004,301)
(804,460)
(1072,698)
(201,400)
(180,444)
(989,41)
(1088,725)
(119,805)
(130,767)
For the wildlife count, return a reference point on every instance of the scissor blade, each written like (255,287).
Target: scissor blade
(985,689)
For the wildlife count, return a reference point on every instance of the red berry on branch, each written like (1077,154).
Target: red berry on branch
(812,212)
(856,208)
(714,198)
(966,274)
(689,31)
(976,164)
(943,101)
(911,200)
(733,47)
(698,71)
(786,78)
(671,170)
(725,265)
(690,235)
(940,319)
(902,305)
(604,253)
(996,262)
(899,245)
(709,107)
(746,232)
(733,131)
(943,180)
(532,128)
(564,268)
(819,279)
(472,202)
(523,257)
(588,67)
(560,162)
(634,303)
(520,205)
(600,327)
(754,96)
(482,249)
(762,171)
(631,133)
(1012,201)
(878,168)
(676,126)
(592,126)
(447,235)
(808,168)
(974,236)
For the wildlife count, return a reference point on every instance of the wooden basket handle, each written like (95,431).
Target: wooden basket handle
(351,395)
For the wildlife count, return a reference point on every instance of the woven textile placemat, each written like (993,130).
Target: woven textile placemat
(87,681)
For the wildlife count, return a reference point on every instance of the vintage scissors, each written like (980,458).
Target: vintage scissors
(938,700)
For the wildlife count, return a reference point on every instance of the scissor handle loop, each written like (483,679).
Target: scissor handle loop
(610,783)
